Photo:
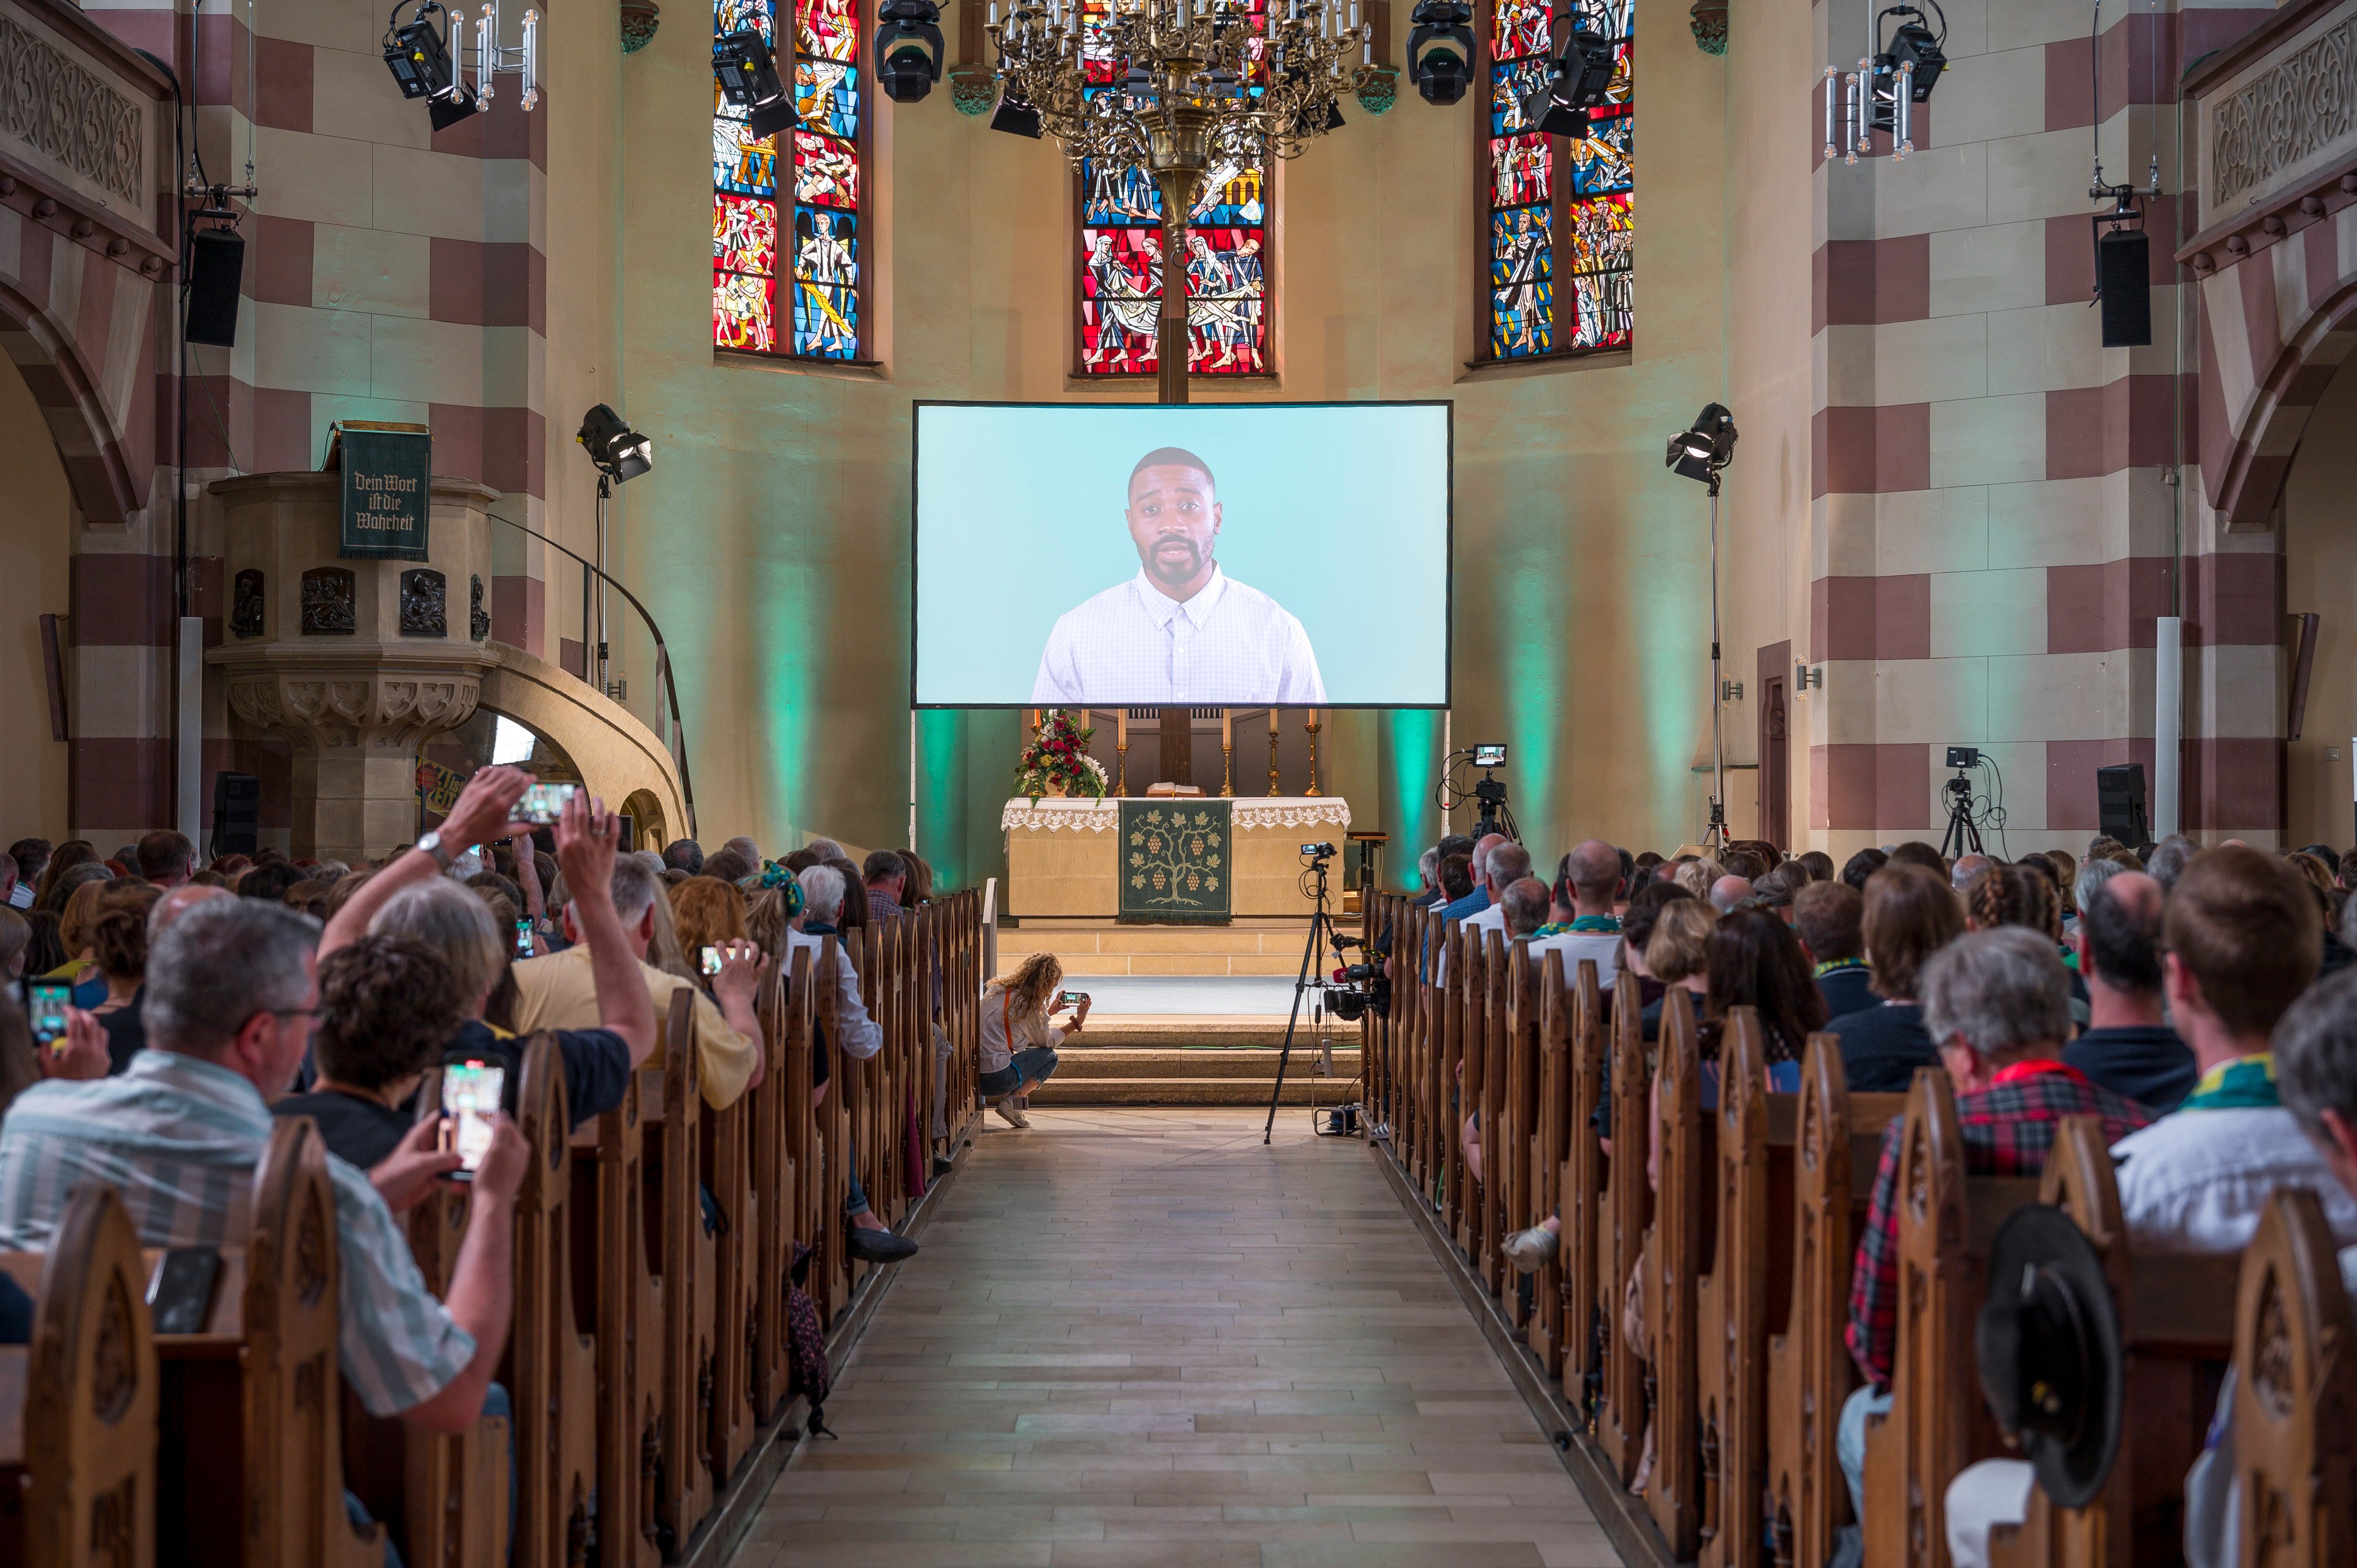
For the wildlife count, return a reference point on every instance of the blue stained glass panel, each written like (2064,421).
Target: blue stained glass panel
(826,95)
(1599,163)
(741,165)
(1522,320)
(1520,249)
(826,321)
(738,16)
(1510,84)
(1119,195)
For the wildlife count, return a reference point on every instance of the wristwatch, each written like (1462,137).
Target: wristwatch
(431,844)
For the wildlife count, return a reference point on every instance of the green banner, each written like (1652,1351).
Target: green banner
(388,487)
(1176,858)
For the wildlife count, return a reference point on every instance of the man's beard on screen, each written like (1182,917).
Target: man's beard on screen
(1176,572)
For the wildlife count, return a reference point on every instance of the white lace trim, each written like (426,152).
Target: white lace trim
(1057,814)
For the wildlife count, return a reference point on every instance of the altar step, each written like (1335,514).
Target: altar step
(1112,1075)
(1258,947)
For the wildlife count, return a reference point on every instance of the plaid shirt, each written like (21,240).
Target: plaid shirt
(179,1138)
(2006,1130)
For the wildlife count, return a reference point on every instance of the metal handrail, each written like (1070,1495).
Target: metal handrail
(663,660)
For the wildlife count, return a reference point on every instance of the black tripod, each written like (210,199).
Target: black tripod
(1963,831)
(1321,936)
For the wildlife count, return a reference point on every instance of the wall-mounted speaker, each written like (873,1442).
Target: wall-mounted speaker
(2119,803)
(236,813)
(2124,283)
(216,270)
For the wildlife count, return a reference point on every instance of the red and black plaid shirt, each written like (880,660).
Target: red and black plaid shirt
(2006,1130)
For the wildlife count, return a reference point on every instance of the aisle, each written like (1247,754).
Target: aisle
(1135,1337)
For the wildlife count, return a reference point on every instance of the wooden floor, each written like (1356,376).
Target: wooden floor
(1135,1337)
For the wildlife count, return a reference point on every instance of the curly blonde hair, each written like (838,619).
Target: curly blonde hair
(1033,983)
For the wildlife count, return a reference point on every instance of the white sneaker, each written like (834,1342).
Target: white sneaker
(1527,1250)
(1011,1113)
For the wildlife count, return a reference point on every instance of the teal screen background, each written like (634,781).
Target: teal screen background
(1339,512)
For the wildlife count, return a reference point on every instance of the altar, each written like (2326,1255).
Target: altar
(1064,855)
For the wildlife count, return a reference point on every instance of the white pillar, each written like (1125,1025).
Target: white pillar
(2168,719)
(188,730)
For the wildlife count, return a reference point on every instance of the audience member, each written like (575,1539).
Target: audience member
(1523,906)
(2168,859)
(1820,865)
(1968,867)
(1677,953)
(857,1035)
(707,913)
(76,924)
(1582,923)
(1474,902)
(1830,919)
(15,937)
(231,1000)
(825,849)
(2127,1048)
(270,881)
(729,865)
(919,888)
(27,858)
(166,858)
(1915,852)
(1019,1036)
(562,991)
(1909,915)
(119,940)
(1751,958)
(852,915)
(1728,891)
(1998,1003)
(683,854)
(2097,871)
(412,897)
(69,857)
(388,1006)
(1861,866)
(2242,942)
(1455,878)
(1507,863)
(886,877)
(2013,896)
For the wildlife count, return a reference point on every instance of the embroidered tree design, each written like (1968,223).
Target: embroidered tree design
(1178,861)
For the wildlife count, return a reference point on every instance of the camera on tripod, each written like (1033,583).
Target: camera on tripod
(1318,851)
(1356,987)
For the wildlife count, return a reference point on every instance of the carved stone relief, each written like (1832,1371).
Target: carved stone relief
(328,601)
(2281,117)
(50,103)
(422,613)
(248,613)
(479,619)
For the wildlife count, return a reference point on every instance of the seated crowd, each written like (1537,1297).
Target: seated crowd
(201,1002)
(2191,1000)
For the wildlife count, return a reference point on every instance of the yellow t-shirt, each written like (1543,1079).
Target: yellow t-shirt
(560,991)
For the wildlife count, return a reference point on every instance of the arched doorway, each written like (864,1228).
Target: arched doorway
(2319,542)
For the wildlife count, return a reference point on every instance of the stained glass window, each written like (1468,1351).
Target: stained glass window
(1121,247)
(799,189)
(1561,232)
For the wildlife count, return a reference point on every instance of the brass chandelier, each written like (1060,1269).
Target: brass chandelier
(1180,87)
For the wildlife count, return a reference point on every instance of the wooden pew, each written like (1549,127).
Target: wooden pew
(1938,1423)
(2295,1409)
(1625,1215)
(1578,1014)
(1684,1212)
(785,1014)
(1541,1114)
(250,1465)
(78,1405)
(551,1370)
(1750,1262)
(2177,1327)
(728,1174)
(1836,1149)
(684,1257)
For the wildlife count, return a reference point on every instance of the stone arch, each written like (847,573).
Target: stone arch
(2275,326)
(101,418)
(620,757)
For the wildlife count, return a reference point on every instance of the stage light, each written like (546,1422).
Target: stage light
(619,452)
(1881,94)
(1703,451)
(908,48)
(747,74)
(1439,49)
(419,59)
(1579,79)
(1016,117)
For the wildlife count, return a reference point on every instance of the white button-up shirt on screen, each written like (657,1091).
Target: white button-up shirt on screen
(1229,646)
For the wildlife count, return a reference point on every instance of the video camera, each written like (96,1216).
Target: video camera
(1356,987)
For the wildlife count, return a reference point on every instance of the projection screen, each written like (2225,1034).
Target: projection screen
(1292,555)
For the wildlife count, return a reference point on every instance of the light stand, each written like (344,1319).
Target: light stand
(1321,927)
(1702,453)
(620,454)
(597,657)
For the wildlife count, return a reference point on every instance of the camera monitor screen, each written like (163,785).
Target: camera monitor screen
(1294,556)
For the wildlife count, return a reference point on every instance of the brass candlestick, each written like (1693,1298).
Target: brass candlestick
(1312,728)
(1121,768)
(1272,761)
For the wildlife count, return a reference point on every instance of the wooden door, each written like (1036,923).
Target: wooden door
(1775,678)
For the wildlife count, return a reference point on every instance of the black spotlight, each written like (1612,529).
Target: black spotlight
(1700,452)
(1913,44)
(1441,49)
(1579,79)
(1016,117)
(747,75)
(619,452)
(418,59)
(908,48)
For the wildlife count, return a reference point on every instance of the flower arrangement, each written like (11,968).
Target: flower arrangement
(1058,761)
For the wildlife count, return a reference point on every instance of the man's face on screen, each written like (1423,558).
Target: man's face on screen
(1174,520)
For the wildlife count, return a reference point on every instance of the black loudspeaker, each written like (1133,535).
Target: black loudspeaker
(2124,282)
(2119,803)
(216,269)
(236,813)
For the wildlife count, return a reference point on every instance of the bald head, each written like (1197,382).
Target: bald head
(1967,867)
(1592,872)
(178,902)
(1481,848)
(2120,935)
(1728,891)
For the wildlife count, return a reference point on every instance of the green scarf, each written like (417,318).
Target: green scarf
(2246,1083)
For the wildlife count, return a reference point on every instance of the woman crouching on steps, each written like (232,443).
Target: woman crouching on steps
(1018,1039)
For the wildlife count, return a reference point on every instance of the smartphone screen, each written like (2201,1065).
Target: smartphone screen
(710,959)
(182,1293)
(523,939)
(470,1098)
(543,803)
(45,1010)
(1074,998)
